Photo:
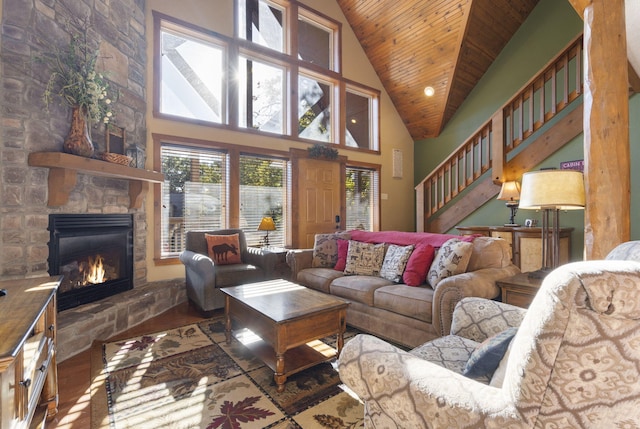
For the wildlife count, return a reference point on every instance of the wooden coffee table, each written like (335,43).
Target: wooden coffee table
(288,318)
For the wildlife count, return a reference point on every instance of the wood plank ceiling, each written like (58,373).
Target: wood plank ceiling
(445,44)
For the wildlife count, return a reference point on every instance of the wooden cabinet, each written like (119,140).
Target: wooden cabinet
(519,289)
(28,371)
(526,243)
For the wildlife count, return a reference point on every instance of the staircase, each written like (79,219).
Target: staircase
(541,118)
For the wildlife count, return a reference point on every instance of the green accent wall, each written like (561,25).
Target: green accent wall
(550,28)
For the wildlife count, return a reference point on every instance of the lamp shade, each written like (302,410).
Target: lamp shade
(552,189)
(267,224)
(510,191)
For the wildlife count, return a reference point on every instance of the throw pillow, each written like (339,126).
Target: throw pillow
(364,258)
(395,262)
(418,265)
(224,249)
(451,259)
(325,249)
(485,359)
(343,248)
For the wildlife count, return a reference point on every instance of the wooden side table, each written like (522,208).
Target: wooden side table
(519,289)
(281,269)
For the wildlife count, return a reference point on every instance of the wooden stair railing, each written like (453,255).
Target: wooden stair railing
(538,101)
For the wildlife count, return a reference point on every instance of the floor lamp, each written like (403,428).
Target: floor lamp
(551,191)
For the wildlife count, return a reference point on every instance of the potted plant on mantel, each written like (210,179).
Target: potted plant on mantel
(75,81)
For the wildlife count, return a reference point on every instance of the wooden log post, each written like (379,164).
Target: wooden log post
(606,128)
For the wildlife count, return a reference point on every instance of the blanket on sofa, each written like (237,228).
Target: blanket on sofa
(403,238)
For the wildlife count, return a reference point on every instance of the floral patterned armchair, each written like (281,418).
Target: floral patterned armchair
(573,363)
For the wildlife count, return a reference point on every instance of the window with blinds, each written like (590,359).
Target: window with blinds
(362,190)
(263,192)
(193,194)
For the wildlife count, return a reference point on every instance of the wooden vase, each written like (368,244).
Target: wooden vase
(78,141)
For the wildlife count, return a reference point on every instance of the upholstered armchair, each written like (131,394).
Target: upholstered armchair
(573,363)
(205,276)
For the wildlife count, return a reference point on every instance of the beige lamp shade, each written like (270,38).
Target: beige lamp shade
(267,224)
(510,191)
(552,189)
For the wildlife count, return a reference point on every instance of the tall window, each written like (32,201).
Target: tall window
(315,98)
(192,71)
(315,42)
(263,192)
(261,95)
(262,22)
(360,122)
(362,198)
(193,194)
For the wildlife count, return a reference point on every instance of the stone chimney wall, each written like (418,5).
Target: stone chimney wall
(28,30)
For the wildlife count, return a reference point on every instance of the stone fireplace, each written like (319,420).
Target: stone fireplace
(93,253)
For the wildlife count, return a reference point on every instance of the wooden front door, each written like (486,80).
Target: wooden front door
(318,196)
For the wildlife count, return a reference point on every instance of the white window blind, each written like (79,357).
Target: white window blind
(362,198)
(193,193)
(263,192)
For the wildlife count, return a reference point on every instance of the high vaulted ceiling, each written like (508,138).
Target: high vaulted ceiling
(445,44)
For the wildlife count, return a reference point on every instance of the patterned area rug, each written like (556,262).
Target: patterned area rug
(189,378)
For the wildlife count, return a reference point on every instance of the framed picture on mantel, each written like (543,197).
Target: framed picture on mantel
(115,139)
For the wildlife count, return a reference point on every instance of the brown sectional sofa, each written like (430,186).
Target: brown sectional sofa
(407,315)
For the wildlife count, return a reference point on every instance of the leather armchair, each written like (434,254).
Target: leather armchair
(574,362)
(204,277)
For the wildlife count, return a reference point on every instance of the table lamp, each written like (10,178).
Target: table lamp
(267,224)
(551,191)
(510,193)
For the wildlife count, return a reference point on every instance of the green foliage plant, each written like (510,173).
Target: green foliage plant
(321,151)
(75,81)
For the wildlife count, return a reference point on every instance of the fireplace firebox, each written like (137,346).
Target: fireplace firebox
(93,253)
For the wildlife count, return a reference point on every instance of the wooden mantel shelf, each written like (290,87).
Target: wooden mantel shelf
(63,169)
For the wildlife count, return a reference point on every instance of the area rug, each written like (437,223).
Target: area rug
(189,377)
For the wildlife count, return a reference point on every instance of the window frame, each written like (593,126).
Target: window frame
(235,46)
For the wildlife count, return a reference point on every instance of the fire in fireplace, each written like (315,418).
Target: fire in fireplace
(93,253)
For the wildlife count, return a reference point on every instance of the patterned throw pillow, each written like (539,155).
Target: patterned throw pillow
(224,249)
(325,249)
(395,261)
(451,259)
(364,258)
(485,359)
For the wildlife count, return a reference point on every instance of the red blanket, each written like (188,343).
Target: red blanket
(404,238)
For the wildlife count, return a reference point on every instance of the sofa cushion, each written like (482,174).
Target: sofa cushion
(325,249)
(232,275)
(364,258)
(358,288)
(395,262)
(318,278)
(224,249)
(415,302)
(418,264)
(451,259)
(343,249)
(489,252)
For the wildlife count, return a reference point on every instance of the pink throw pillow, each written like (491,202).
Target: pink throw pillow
(418,265)
(343,249)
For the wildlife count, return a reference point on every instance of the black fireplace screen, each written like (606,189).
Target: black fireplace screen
(93,253)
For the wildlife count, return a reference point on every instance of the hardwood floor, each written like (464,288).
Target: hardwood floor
(74,373)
